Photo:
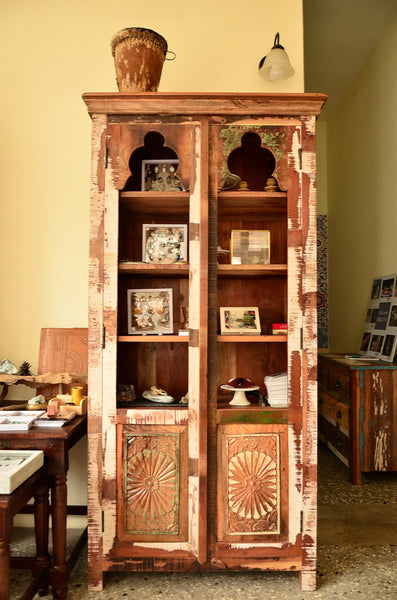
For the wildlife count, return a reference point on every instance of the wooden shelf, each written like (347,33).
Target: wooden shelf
(177,269)
(251,204)
(151,338)
(252,270)
(155,202)
(252,338)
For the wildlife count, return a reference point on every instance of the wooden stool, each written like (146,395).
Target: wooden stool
(11,504)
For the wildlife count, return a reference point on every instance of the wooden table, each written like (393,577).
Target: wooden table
(55,443)
(10,504)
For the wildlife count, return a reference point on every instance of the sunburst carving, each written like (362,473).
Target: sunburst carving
(151,484)
(252,484)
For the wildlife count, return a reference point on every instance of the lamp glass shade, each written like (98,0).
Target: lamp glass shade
(276,65)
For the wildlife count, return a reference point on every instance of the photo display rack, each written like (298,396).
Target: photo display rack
(379,339)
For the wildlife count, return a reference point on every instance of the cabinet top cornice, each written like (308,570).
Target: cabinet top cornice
(185,103)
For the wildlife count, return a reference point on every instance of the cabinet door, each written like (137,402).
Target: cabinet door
(152,495)
(151,499)
(262,450)
(252,483)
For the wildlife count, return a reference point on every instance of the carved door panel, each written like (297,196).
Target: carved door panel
(153,483)
(252,483)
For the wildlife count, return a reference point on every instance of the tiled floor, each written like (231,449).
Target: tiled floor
(357,553)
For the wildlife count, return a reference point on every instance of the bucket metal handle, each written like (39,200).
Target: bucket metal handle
(173,55)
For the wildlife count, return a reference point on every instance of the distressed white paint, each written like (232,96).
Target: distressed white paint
(194,294)
(110,351)
(95,300)
(309,433)
(138,416)
(378,387)
(380,454)
(293,159)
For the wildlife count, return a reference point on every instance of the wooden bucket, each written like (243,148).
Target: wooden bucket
(139,56)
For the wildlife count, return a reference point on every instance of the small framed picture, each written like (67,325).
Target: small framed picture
(240,320)
(164,244)
(250,247)
(159,175)
(150,311)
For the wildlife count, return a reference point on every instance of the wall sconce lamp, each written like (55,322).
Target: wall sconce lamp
(276,66)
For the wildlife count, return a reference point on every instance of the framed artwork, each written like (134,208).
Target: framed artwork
(150,311)
(164,244)
(250,247)
(159,175)
(240,320)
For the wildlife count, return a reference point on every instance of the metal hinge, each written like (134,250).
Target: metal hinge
(301,521)
(300,158)
(103,521)
(103,337)
(301,338)
(106,157)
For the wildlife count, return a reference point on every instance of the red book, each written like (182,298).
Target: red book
(279,328)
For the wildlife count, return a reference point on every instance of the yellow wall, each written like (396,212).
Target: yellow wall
(321,154)
(362,192)
(52,52)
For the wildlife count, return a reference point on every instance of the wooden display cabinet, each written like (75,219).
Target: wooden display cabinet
(204,485)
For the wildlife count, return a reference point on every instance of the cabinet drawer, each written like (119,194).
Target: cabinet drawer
(335,439)
(334,378)
(334,411)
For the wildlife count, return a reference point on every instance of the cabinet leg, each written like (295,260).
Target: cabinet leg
(307,581)
(95,580)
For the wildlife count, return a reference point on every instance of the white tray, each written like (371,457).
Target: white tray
(16,466)
(18,420)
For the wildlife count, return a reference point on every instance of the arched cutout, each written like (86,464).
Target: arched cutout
(153,148)
(253,163)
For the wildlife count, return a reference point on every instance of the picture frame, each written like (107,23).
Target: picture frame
(149,311)
(240,320)
(159,175)
(164,243)
(250,247)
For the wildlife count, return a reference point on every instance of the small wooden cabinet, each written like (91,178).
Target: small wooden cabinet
(358,412)
(203,485)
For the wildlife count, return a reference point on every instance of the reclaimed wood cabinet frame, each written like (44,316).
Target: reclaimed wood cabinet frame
(286,439)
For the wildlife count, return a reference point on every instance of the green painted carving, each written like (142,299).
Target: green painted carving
(274,138)
(260,417)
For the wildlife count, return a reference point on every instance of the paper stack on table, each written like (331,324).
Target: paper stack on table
(277,389)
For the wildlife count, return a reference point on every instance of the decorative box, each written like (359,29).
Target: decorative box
(16,466)
(18,420)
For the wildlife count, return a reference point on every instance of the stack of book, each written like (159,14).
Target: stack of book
(277,390)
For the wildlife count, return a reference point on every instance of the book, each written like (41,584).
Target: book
(279,329)
(277,389)
(57,421)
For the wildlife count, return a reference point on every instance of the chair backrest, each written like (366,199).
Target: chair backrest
(62,350)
